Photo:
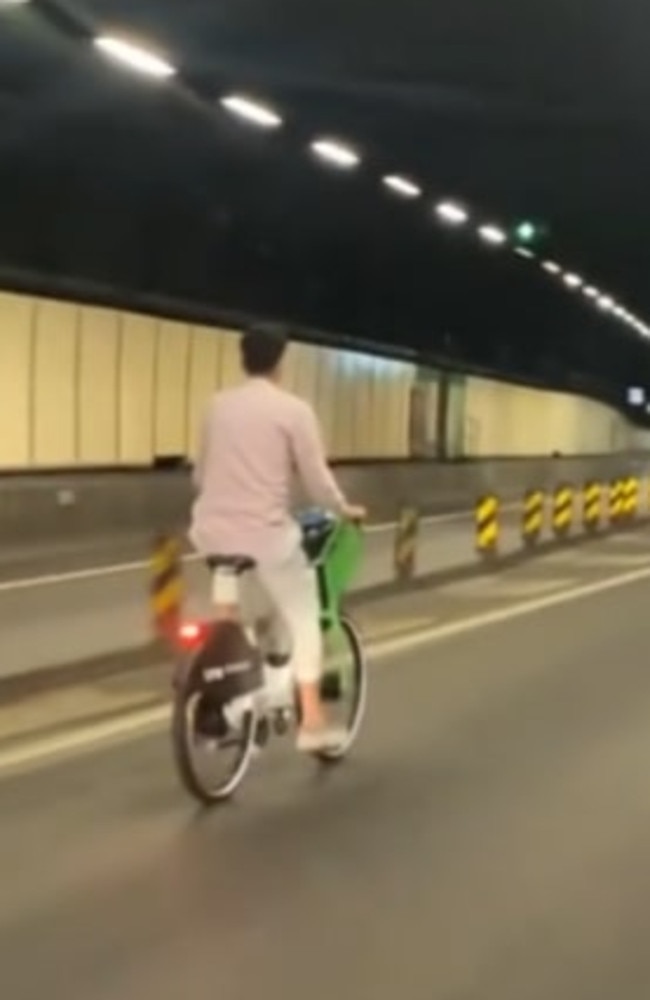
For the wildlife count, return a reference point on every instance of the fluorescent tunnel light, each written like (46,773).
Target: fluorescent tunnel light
(573,281)
(251,111)
(492,234)
(402,186)
(451,212)
(135,57)
(336,153)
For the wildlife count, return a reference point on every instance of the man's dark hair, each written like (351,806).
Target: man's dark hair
(262,348)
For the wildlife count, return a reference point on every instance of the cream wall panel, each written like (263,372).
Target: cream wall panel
(372,407)
(639,439)
(423,426)
(291,367)
(456,417)
(344,403)
(136,389)
(406,379)
(307,387)
(203,380)
(99,350)
(394,408)
(386,407)
(325,408)
(171,388)
(296,371)
(504,419)
(231,371)
(362,414)
(387,402)
(356,382)
(56,361)
(431,413)
(16,318)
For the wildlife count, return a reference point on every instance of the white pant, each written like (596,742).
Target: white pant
(280,600)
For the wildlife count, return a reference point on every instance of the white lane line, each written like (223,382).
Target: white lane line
(439,633)
(598,558)
(136,724)
(115,569)
(51,579)
(507,587)
(634,538)
(84,738)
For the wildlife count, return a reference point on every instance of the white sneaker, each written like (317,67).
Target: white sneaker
(326,740)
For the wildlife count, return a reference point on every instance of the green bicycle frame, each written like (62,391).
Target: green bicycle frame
(336,568)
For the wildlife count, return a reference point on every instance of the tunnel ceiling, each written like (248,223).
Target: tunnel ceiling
(520,111)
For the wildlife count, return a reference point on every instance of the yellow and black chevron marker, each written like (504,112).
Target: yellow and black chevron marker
(562,511)
(630,498)
(592,507)
(487,526)
(532,522)
(616,502)
(406,538)
(166,587)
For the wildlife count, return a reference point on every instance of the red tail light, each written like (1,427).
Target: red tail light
(190,635)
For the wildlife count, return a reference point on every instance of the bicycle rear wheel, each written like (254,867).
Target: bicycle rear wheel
(348,679)
(200,729)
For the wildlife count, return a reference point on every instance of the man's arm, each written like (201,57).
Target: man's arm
(311,462)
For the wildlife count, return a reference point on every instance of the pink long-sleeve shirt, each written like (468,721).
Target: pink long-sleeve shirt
(254,440)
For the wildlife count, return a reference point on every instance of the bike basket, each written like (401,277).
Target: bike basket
(340,560)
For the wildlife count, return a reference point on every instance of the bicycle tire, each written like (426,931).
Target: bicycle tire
(208,795)
(360,696)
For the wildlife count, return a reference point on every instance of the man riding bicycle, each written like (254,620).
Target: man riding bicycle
(253,439)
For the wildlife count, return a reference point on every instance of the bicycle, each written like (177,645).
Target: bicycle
(223,698)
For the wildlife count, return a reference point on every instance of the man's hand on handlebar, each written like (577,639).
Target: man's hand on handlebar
(354,513)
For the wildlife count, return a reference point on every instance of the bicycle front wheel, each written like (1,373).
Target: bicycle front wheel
(211,754)
(346,687)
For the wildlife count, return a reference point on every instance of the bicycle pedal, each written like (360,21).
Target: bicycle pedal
(282,722)
(262,733)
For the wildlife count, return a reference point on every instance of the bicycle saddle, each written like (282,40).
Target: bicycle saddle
(238,564)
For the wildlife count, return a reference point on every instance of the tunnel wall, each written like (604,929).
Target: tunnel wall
(519,421)
(81,386)
(84,387)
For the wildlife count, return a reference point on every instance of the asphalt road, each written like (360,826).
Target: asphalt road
(99,610)
(488,841)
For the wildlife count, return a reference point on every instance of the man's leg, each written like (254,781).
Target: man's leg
(293,593)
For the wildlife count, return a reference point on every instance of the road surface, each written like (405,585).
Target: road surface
(86,612)
(488,841)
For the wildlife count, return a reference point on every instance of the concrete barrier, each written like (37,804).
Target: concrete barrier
(74,617)
(102,613)
(84,508)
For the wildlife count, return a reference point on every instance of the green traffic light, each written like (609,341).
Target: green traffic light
(526,232)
